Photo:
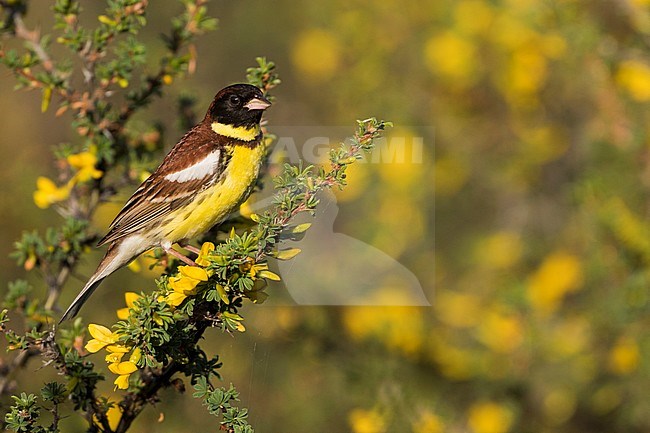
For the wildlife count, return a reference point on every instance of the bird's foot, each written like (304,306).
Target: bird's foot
(180,256)
(190,248)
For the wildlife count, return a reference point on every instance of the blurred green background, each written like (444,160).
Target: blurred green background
(526,222)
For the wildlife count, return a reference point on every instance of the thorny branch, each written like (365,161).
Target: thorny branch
(84,104)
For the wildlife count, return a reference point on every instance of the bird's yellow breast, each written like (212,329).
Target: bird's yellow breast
(215,203)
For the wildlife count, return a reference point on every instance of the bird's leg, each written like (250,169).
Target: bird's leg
(181,257)
(190,248)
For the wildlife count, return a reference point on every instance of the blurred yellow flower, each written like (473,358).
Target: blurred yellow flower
(553,45)
(559,274)
(399,167)
(559,405)
(316,54)
(449,175)
(428,422)
(510,31)
(47,193)
(366,421)
(634,77)
(401,219)
(102,337)
(500,250)
(606,398)
(527,71)
(501,332)
(398,328)
(624,356)
(489,417)
(455,363)
(629,228)
(129,298)
(473,16)
(357,177)
(453,57)
(542,144)
(134,266)
(568,337)
(84,163)
(460,310)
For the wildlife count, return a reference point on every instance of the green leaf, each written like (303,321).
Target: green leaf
(287,254)
(300,228)
(222,294)
(269,275)
(46,98)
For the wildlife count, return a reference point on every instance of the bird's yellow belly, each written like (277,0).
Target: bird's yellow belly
(215,203)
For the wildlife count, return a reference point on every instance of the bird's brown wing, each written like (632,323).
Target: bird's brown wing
(158,196)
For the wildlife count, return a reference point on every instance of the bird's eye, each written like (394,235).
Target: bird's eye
(234,100)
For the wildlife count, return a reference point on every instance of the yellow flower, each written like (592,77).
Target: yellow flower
(84,163)
(114,415)
(366,421)
(206,249)
(121,368)
(245,209)
(125,369)
(102,337)
(130,298)
(175,299)
(193,273)
(117,348)
(185,284)
(122,381)
(47,193)
(114,357)
(489,418)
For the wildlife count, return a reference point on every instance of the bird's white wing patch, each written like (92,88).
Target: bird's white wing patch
(206,167)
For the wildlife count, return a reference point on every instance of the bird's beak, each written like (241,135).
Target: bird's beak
(258,104)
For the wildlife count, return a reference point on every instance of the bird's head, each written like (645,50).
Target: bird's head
(239,105)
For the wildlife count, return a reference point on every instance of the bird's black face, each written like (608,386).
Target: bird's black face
(238,105)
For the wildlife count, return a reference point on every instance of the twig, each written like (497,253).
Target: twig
(33,40)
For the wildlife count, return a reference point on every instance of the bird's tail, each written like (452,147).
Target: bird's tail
(116,257)
(82,297)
